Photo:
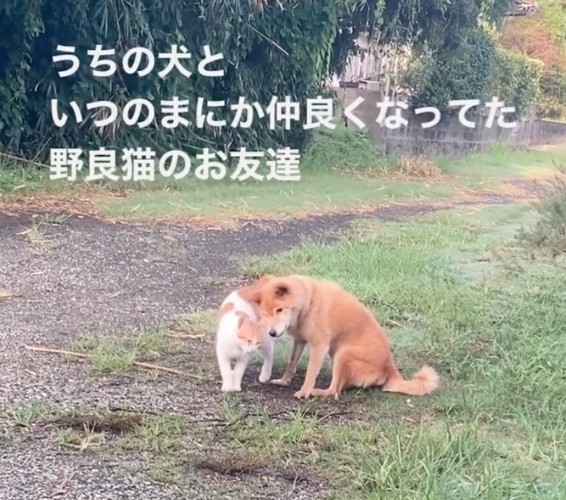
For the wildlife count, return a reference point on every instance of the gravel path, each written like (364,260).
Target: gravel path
(112,278)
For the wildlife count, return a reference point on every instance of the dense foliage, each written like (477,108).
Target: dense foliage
(463,72)
(270,48)
(476,69)
(270,51)
(517,78)
(455,55)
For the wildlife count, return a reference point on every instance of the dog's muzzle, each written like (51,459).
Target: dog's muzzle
(272,333)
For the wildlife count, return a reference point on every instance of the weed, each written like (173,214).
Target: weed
(16,177)
(549,232)
(158,434)
(80,440)
(417,166)
(37,238)
(25,415)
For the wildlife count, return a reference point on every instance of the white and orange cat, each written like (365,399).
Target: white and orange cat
(241,332)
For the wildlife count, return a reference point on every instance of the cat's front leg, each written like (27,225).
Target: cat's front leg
(226,372)
(239,370)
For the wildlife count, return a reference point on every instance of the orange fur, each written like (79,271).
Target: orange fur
(330,320)
(225,309)
(250,332)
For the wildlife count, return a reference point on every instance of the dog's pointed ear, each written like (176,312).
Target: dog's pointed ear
(264,279)
(281,290)
(250,293)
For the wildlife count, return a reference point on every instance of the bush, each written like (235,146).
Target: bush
(279,50)
(552,100)
(477,69)
(438,76)
(270,48)
(549,233)
(516,80)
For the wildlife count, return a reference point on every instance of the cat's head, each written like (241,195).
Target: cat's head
(250,333)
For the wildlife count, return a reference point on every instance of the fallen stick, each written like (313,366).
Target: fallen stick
(184,336)
(24,160)
(394,323)
(136,363)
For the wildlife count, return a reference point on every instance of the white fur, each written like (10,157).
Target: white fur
(229,349)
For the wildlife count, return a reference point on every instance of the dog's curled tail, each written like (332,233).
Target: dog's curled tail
(424,382)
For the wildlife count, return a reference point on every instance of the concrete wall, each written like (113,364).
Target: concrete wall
(447,137)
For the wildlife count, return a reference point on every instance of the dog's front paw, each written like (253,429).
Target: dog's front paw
(301,394)
(264,379)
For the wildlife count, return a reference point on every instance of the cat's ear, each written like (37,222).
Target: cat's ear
(240,321)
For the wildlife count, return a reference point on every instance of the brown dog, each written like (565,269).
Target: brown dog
(332,321)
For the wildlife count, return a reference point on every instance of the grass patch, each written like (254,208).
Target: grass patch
(341,170)
(456,290)
(159,440)
(118,354)
(21,178)
(81,440)
(199,324)
(317,192)
(158,434)
(398,460)
(23,416)
(503,161)
(344,150)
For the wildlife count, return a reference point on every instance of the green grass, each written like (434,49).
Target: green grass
(15,178)
(342,169)
(315,193)
(456,290)
(549,234)
(118,355)
(502,161)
